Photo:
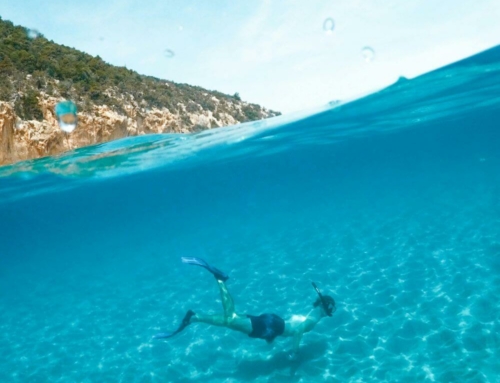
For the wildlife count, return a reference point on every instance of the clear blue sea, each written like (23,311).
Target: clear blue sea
(390,203)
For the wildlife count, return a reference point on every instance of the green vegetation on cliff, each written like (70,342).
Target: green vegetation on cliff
(29,66)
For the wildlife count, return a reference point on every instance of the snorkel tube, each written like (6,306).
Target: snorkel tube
(324,303)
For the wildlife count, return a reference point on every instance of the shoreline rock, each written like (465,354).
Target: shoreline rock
(28,139)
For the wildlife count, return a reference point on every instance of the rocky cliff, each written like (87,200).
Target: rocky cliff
(113,102)
(26,139)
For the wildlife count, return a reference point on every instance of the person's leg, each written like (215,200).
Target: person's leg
(215,320)
(230,319)
(227,301)
(227,306)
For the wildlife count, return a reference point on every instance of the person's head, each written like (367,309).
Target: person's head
(327,303)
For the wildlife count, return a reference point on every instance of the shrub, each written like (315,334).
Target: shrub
(27,106)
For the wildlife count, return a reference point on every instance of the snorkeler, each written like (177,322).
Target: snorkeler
(265,326)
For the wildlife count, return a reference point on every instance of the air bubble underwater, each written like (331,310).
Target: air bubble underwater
(66,113)
(328,26)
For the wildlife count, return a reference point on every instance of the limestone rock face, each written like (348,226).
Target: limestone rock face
(22,140)
(7,121)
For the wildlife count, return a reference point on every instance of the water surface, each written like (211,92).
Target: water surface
(390,203)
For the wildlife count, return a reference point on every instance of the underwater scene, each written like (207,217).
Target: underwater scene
(390,204)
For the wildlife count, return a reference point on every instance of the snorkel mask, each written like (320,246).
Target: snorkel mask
(327,302)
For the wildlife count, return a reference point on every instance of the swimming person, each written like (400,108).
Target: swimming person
(265,326)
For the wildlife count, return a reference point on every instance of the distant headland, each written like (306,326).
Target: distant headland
(113,102)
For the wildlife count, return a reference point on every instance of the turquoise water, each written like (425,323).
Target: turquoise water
(390,203)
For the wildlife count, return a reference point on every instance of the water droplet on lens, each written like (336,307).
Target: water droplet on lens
(66,115)
(328,26)
(32,33)
(368,54)
(169,53)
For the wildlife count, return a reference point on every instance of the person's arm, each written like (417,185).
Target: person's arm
(299,326)
(296,344)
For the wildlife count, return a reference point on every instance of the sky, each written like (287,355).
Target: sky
(275,53)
